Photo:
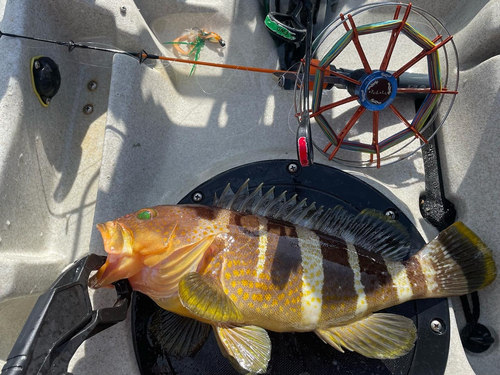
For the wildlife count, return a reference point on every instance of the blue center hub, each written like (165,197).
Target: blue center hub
(377,90)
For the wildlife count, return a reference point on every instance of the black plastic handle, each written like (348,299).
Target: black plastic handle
(61,320)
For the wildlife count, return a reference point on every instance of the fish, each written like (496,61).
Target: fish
(253,262)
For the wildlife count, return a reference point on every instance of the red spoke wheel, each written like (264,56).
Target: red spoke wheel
(387,57)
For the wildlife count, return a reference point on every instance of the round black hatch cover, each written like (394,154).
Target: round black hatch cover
(303,353)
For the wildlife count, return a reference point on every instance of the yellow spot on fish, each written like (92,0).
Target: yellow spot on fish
(257,297)
(226,290)
(249,272)
(274,303)
(233,284)
(281,309)
(228,275)
(236,273)
(234,297)
(230,263)
(287,302)
(265,305)
(240,291)
(244,282)
(268,297)
(250,304)
(245,296)
(281,296)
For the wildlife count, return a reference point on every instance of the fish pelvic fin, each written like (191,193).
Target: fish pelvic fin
(382,336)
(203,296)
(370,229)
(248,348)
(178,335)
(455,263)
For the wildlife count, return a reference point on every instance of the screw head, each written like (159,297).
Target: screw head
(88,109)
(37,64)
(391,213)
(123,9)
(47,101)
(197,197)
(437,326)
(92,85)
(293,167)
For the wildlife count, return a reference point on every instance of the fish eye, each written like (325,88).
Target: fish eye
(146,214)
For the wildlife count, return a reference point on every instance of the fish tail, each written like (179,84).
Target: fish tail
(455,263)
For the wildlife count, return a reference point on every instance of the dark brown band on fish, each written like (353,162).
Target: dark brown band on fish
(205,213)
(416,277)
(285,254)
(339,294)
(376,279)
(334,251)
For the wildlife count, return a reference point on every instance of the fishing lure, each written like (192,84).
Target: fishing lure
(194,40)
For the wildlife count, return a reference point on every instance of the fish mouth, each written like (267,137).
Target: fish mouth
(112,236)
(121,262)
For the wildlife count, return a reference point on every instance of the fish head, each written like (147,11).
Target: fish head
(128,240)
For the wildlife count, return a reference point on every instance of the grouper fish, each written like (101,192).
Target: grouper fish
(253,262)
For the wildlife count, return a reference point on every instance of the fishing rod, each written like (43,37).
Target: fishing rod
(142,56)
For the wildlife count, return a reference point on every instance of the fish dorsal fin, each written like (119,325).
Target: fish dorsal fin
(370,229)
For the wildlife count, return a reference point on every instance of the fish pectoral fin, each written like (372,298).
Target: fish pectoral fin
(382,336)
(203,296)
(248,348)
(178,335)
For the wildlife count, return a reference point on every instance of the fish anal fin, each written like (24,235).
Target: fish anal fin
(380,335)
(177,335)
(247,347)
(203,296)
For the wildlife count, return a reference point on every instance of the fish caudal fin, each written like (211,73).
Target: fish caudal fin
(382,336)
(248,348)
(456,262)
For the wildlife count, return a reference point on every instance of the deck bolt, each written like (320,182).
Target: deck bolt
(197,197)
(293,167)
(437,326)
(123,9)
(88,109)
(37,64)
(92,85)
(47,101)
(391,213)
